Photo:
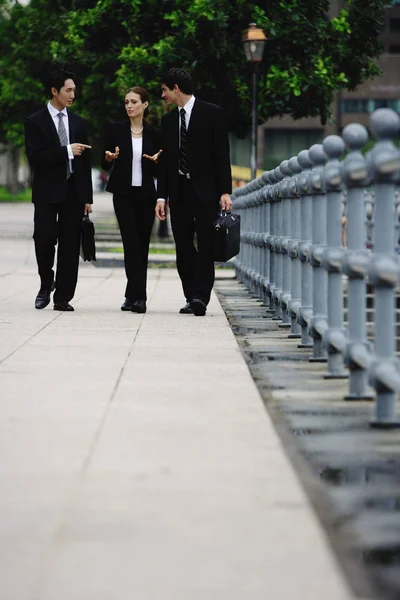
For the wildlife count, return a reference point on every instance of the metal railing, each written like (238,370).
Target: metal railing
(293,258)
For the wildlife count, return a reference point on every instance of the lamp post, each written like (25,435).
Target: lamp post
(254,41)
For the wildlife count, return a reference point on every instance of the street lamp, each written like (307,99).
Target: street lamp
(254,41)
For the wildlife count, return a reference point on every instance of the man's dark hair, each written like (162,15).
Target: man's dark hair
(57,80)
(181,78)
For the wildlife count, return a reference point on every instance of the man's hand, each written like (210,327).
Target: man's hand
(77,149)
(110,156)
(88,209)
(226,202)
(155,156)
(161,212)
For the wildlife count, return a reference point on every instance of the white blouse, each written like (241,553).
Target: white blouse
(137,148)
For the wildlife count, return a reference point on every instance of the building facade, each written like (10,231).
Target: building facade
(280,138)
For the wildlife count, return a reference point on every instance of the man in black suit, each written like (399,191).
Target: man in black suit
(195,177)
(61,189)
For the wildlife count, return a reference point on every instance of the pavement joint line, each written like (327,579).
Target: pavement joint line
(158,278)
(29,339)
(58,315)
(99,283)
(50,555)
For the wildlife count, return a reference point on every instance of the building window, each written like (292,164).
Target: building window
(281,144)
(394,104)
(356,106)
(381,103)
(240,150)
(351,106)
(394,25)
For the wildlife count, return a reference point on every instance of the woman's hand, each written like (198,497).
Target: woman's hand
(88,209)
(155,156)
(110,156)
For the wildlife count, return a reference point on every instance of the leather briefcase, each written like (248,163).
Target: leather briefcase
(88,246)
(226,236)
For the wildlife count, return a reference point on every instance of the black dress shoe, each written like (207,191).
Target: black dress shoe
(63,306)
(43,297)
(139,306)
(186,310)
(127,305)
(198,307)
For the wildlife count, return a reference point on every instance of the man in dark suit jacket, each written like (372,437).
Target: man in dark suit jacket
(61,189)
(195,178)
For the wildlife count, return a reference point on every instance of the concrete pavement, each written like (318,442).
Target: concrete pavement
(136,457)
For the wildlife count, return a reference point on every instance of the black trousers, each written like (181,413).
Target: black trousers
(59,223)
(135,216)
(192,226)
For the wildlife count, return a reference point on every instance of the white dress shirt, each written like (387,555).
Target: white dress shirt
(53,113)
(137,147)
(188,110)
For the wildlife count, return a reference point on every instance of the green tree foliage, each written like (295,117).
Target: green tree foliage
(25,60)
(114,44)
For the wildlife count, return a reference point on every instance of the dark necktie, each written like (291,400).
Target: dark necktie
(62,134)
(183,166)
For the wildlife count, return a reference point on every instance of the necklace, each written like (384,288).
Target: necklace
(136,132)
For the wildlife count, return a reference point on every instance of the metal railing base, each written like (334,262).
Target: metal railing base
(384,425)
(356,398)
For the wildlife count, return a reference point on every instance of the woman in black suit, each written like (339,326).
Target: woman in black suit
(131,151)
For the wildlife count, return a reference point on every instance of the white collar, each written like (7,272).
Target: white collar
(54,111)
(189,104)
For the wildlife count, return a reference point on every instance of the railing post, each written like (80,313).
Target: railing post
(295,269)
(252,265)
(250,247)
(384,269)
(335,336)
(355,264)
(285,239)
(237,205)
(305,310)
(277,245)
(257,241)
(240,262)
(318,324)
(271,243)
(265,233)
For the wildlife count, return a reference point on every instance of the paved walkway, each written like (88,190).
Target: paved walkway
(136,457)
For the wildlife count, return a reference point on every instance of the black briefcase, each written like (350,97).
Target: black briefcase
(226,236)
(88,246)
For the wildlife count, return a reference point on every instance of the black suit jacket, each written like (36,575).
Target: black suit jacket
(207,153)
(120,181)
(48,158)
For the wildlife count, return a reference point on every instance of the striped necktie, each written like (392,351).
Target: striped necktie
(62,134)
(183,166)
